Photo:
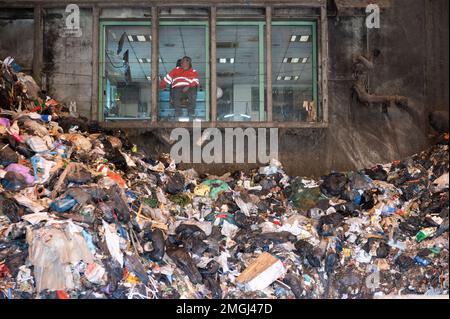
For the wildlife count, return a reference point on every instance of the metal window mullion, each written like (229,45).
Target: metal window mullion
(269,63)
(95,62)
(207,74)
(38,42)
(154,65)
(213,62)
(314,68)
(101,58)
(261,72)
(324,62)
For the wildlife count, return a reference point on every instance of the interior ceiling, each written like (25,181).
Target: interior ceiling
(239,42)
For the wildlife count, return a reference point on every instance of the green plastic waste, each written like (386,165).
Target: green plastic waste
(217,218)
(305,198)
(180,199)
(216,187)
(152,202)
(436,250)
(424,234)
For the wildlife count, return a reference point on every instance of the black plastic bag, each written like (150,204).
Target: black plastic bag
(7,155)
(334,184)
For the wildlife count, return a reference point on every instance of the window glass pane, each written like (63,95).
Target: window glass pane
(126,84)
(292,69)
(184,96)
(238,73)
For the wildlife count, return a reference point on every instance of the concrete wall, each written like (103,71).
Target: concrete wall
(12,24)
(360,136)
(68,60)
(413,63)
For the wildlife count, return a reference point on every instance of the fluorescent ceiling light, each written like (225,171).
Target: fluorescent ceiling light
(296,77)
(300,38)
(279,78)
(295,60)
(287,78)
(304,38)
(139,38)
(228,115)
(148,77)
(226,60)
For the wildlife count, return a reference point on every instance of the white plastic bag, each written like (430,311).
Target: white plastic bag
(113,243)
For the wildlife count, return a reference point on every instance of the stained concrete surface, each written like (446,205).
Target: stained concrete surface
(413,62)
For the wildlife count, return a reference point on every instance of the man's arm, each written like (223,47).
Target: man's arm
(166,80)
(194,79)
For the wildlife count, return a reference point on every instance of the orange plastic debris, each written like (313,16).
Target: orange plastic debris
(61,294)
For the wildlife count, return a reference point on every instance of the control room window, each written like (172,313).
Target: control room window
(178,40)
(126,72)
(294,72)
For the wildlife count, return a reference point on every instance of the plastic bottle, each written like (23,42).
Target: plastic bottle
(422,261)
(63,205)
(424,234)
(46,118)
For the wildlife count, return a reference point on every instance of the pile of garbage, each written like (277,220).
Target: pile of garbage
(84,214)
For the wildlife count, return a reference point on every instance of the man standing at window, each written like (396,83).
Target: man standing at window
(183,81)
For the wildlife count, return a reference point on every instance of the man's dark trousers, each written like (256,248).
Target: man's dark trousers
(178,96)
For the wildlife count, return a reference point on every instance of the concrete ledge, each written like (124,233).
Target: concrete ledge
(146,124)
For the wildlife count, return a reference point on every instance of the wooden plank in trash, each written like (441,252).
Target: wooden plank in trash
(259,265)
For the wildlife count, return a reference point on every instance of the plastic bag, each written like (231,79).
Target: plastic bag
(79,175)
(37,144)
(273,168)
(36,128)
(5,122)
(216,186)
(52,250)
(28,203)
(113,243)
(78,140)
(63,205)
(7,155)
(13,182)
(42,168)
(22,170)
(305,198)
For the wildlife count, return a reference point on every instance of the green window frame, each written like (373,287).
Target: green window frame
(101,58)
(262,63)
